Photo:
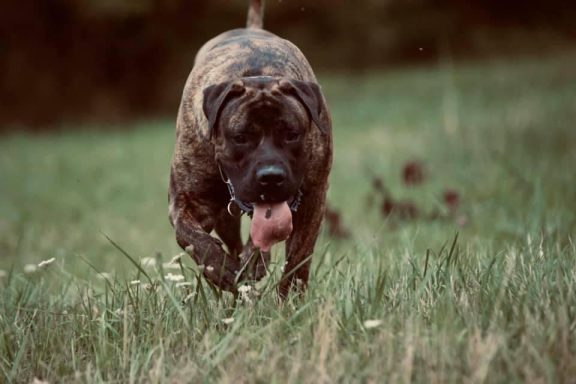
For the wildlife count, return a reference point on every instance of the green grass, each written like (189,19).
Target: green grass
(493,300)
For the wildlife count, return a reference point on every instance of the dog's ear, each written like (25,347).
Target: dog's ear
(215,97)
(309,95)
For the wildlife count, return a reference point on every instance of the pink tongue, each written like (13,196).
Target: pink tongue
(271,223)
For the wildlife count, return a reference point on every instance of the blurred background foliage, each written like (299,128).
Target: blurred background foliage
(68,61)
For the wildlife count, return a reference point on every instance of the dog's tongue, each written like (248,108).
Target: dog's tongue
(271,223)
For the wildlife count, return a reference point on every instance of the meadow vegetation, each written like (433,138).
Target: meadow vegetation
(488,295)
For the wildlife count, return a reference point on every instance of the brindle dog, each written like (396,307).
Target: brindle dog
(253,126)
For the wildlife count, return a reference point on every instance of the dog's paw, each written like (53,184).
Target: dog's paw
(220,268)
(223,271)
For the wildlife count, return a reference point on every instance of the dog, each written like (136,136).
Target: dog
(253,135)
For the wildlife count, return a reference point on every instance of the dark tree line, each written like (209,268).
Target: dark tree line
(107,60)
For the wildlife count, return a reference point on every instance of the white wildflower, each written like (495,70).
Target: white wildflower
(135,282)
(173,277)
(209,268)
(184,284)
(148,262)
(30,268)
(244,291)
(228,320)
(46,263)
(368,324)
(244,288)
(247,293)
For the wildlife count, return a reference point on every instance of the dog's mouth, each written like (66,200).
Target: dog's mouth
(271,224)
(252,194)
(271,212)
(271,197)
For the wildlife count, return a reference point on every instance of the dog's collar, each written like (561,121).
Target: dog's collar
(248,208)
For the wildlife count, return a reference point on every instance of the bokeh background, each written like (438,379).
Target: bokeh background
(65,61)
(448,253)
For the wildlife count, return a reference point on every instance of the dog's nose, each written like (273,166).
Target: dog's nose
(271,175)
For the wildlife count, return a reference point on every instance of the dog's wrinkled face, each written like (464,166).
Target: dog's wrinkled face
(263,138)
(260,128)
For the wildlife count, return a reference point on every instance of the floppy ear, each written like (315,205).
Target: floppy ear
(214,98)
(309,94)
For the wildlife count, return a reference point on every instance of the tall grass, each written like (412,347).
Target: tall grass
(486,297)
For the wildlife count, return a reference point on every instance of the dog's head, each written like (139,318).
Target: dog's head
(261,130)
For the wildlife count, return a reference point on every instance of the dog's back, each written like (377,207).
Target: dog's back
(252,51)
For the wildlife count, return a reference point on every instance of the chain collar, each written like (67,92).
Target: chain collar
(248,208)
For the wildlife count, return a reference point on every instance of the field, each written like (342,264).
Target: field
(486,293)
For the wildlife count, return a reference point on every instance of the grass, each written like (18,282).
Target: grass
(489,300)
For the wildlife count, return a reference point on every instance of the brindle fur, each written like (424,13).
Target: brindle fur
(198,197)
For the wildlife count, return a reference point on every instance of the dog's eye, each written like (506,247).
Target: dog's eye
(292,136)
(240,138)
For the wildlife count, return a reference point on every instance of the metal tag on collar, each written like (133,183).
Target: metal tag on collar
(244,208)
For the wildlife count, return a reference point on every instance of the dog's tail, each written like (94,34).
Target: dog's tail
(255,14)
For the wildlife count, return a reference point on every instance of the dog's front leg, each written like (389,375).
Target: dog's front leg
(218,266)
